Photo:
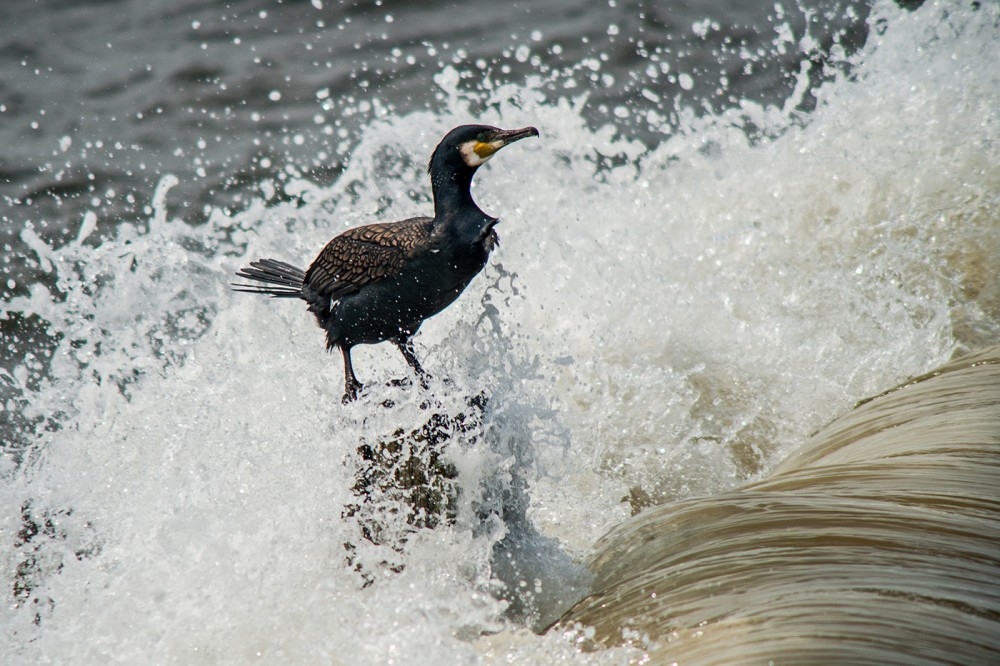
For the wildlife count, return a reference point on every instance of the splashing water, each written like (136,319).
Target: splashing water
(659,322)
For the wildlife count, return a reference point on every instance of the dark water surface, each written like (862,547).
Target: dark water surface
(101,99)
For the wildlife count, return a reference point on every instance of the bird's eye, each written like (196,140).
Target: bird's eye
(481,137)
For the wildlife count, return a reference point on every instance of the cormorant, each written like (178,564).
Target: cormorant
(381,281)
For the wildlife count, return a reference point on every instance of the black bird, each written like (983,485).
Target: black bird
(381,281)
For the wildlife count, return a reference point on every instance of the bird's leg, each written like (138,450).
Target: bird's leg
(406,349)
(352,387)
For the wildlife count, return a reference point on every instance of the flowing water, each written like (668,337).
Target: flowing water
(875,542)
(732,229)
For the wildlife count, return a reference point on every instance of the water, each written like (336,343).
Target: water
(873,543)
(231,98)
(692,278)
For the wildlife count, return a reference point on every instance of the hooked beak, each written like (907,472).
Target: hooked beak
(503,137)
(475,153)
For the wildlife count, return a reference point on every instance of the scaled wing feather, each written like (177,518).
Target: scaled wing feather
(366,254)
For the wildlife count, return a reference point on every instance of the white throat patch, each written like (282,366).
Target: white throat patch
(476,153)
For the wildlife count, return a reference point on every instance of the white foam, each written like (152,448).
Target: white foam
(673,324)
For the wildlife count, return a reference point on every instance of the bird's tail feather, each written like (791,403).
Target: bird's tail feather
(280,280)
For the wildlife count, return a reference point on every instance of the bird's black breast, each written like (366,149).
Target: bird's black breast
(441,273)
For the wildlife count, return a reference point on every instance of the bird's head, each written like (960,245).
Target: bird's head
(468,147)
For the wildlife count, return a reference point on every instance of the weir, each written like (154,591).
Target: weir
(876,542)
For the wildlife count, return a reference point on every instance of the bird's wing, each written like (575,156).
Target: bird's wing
(366,254)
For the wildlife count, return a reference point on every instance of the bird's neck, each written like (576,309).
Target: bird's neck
(454,207)
(452,191)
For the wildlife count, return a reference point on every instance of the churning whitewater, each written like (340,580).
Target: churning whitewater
(660,322)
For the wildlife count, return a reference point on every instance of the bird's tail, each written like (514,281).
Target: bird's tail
(280,280)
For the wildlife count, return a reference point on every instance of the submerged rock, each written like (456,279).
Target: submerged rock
(404,480)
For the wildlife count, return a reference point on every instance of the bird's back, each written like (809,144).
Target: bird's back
(364,254)
(381,281)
